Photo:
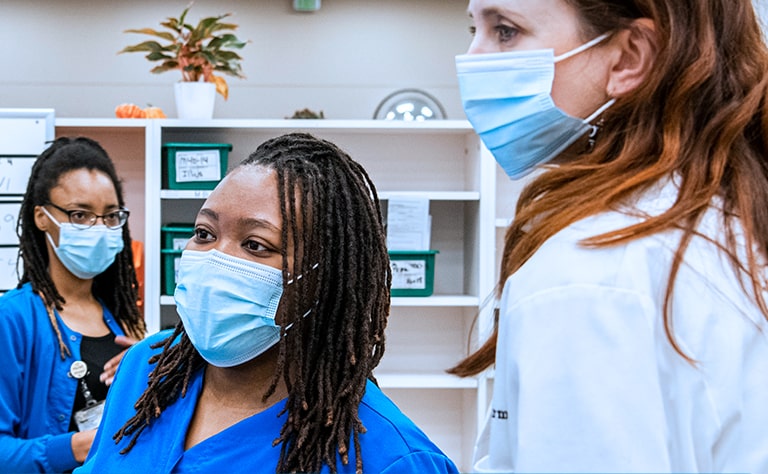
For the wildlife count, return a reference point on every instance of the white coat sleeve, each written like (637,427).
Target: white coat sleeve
(577,386)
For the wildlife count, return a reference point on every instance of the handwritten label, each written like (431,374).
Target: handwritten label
(198,165)
(14,174)
(8,276)
(9,215)
(409,274)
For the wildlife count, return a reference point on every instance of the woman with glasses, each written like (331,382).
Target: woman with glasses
(67,324)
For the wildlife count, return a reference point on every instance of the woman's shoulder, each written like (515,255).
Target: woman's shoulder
(17,295)
(147,347)
(19,304)
(386,425)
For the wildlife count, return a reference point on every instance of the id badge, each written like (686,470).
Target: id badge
(89,417)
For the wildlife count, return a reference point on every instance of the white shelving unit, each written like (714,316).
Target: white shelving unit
(440,160)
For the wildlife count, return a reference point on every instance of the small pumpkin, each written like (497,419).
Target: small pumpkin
(154,112)
(129,111)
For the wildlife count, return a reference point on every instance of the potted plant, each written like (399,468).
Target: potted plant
(202,53)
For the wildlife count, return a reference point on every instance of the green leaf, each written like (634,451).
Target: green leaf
(164,67)
(227,56)
(146,46)
(184,13)
(149,31)
(158,56)
(223,26)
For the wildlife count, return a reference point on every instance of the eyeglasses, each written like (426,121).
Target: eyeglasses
(81,219)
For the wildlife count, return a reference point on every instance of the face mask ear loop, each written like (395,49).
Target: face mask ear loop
(58,224)
(581,48)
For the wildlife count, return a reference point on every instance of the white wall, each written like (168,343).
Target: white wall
(343,59)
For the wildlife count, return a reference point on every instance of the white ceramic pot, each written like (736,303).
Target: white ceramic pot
(195,100)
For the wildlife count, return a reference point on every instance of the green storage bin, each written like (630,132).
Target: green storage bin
(170,270)
(413,272)
(175,236)
(194,166)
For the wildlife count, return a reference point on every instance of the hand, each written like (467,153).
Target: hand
(81,444)
(111,366)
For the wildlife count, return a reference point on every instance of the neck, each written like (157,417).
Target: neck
(71,288)
(244,385)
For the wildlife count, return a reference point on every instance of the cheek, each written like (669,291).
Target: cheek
(50,229)
(577,89)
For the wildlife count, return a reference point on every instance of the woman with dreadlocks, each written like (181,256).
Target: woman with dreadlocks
(283,294)
(65,327)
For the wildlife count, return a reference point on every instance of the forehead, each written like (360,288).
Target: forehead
(537,12)
(83,184)
(247,192)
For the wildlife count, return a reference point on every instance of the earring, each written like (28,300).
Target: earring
(592,137)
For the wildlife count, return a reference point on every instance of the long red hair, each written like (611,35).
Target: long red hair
(701,114)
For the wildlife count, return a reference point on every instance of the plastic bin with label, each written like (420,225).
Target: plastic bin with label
(413,272)
(194,166)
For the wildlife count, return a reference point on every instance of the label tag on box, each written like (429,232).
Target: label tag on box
(409,274)
(198,165)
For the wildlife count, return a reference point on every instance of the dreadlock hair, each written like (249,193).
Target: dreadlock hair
(117,286)
(701,114)
(334,307)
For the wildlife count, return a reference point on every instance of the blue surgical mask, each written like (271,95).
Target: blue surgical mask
(228,306)
(86,252)
(507,99)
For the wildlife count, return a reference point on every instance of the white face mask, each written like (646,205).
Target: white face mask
(507,98)
(86,252)
(228,306)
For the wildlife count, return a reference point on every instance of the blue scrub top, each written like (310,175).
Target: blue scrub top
(392,443)
(36,393)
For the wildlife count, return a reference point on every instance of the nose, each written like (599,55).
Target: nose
(480,45)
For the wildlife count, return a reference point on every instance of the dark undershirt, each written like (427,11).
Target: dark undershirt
(95,352)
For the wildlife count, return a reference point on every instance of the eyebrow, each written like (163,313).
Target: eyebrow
(243,221)
(486,12)
(254,222)
(81,205)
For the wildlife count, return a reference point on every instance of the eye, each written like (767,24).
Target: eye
(113,218)
(505,33)
(77,216)
(201,235)
(256,247)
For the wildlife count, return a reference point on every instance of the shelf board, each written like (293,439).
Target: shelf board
(166,300)
(184,194)
(424,381)
(339,126)
(431,195)
(101,123)
(429,301)
(436,300)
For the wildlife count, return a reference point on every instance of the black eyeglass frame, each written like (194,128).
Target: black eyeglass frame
(122,214)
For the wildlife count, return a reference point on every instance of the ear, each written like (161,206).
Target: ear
(41,220)
(636,50)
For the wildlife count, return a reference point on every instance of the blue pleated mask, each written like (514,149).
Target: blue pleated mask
(228,305)
(507,99)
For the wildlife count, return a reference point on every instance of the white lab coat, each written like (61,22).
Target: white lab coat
(586,379)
